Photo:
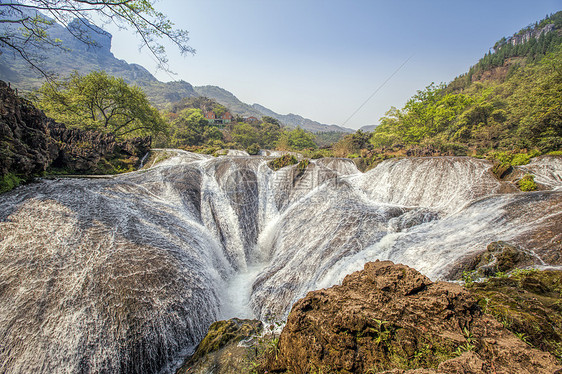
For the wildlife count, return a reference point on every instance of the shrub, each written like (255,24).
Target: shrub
(317,155)
(282,161)
(253,149)
(301,167)
(527,183)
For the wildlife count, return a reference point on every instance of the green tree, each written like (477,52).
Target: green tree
(100,102)
(244,134)
(26,29)
(271,120)
(269,135)
(190,128)
(299,139)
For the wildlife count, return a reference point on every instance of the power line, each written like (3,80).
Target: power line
(377,90)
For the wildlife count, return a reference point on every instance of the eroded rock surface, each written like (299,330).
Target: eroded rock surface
(390,318)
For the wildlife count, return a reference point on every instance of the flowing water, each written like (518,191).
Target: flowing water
(125,274)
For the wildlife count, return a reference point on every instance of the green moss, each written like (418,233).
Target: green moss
(501,169)
(528,303)
(282,161)
(9,182)
(527,183)
(222,333)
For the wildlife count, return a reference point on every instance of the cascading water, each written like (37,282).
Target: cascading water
(125,274)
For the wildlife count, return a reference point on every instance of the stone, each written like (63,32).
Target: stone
(220,352)
(390,318)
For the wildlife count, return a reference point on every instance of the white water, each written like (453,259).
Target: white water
(125,274)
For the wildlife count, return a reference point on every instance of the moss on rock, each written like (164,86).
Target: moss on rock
(282,161)
(501,169)
(220,353)
(528,303)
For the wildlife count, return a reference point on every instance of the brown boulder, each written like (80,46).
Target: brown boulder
(390,318)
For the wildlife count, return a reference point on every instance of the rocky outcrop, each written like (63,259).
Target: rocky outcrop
(94,152)
(25,145)
(220,352)
(390,318)
(526,302)
(31,143)
(499,257)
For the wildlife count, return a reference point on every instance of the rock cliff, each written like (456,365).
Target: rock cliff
(31,143)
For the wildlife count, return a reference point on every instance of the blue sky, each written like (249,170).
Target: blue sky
(323,58)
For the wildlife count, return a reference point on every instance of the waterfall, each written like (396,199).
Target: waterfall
(125,274)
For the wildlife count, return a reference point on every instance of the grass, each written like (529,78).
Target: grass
(9,182)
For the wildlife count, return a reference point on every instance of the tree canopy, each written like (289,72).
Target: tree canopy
(100,102)
(191,128)
(521,112)
(26,25)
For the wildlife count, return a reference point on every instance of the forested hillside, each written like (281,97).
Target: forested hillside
(510,101)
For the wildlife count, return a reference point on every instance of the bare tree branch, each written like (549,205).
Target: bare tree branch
(32,34)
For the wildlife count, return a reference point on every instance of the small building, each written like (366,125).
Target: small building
(211,117)
(251,119)
(226,117)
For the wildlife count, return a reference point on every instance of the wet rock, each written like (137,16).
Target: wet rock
(220,351)
(498,257)
(390,318)
(502,170)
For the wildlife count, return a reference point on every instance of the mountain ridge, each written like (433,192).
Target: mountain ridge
(85,58)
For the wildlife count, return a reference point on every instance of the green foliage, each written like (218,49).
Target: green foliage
(501,169)
(271,120)
(317,155)
(194,132)
(513,158)
(468,277)
(282,161)
(253,149)
(328,138)
(522,112)
(100,102)
(191,128)
(199,102)
(301,167)
(352,144)
(299,139)
(245,135)
(527,183)
(9,182)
